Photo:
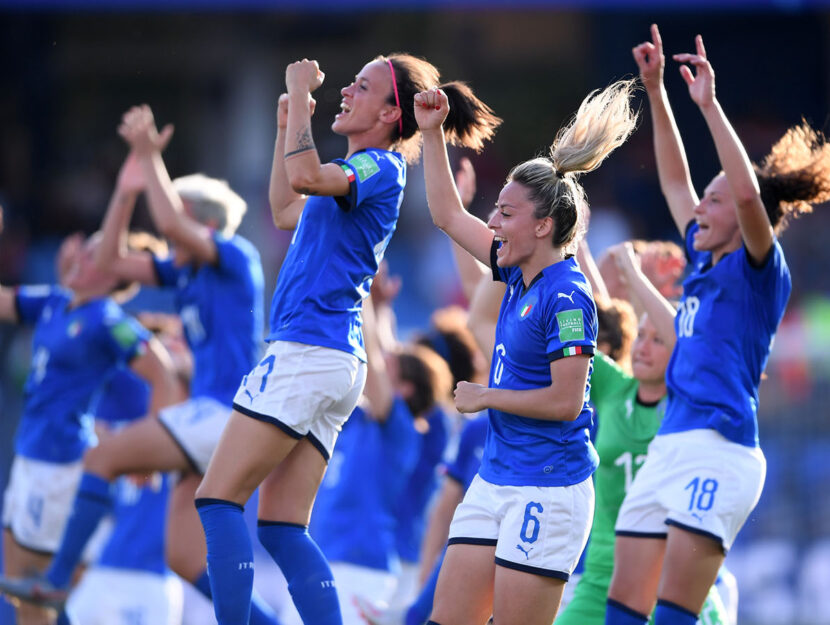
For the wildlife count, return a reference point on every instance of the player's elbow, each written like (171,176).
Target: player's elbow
(441,221)
(566,409)
(302,181)
(282,220)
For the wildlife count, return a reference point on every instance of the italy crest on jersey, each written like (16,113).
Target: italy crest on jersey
(527,306)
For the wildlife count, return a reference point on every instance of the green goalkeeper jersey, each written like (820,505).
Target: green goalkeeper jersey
(625,427)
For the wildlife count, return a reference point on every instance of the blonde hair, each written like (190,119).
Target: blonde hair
(212,200)
(603,122)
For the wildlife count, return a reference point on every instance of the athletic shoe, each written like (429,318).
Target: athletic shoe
(34,589)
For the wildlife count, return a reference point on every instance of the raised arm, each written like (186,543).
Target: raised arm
(438,526)
(306,175)
(643,295)
(484,313)
(286,203)
(155,367)
(8,311)
(589,267)
(470,270)
(669,154)
(138,128)
(112,253)
(378,390)
(756,229)
(445,207)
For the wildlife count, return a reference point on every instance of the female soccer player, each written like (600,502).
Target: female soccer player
(218,281)
(81,336)
(355,521)
(629,409)
(530,507)
(290,408)
(705,471)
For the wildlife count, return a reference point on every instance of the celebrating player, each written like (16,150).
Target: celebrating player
(705,470)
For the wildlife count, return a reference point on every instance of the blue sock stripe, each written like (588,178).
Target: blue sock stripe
(264,523)
(625,608)
(103,499)
(619,613)
(210,501)
(676,607)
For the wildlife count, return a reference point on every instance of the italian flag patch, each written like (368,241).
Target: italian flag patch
(349,173)
(572,351)
(525,311)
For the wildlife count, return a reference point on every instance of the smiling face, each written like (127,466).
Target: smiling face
(716,214)
(365,100)
(515,226)
(649,354)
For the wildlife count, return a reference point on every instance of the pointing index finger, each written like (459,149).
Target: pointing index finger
(701,50)
(656,39)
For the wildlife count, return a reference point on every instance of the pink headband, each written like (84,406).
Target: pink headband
(397,99)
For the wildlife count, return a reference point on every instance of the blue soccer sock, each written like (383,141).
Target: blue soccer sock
(230,559)
(309,577)
(421,608)
(261,612)
(92,501)
(63,619)
(618,614)
(668,613)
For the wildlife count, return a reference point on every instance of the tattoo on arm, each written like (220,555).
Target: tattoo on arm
(304,142)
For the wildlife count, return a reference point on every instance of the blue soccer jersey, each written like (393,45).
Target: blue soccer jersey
(467,461)
(725,325)
(554,317)
(73,350)
(140,513)
(335,253)
(221,307)
(422,483)
(123,397)
(354,519)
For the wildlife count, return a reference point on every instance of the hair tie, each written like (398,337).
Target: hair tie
(558,173)
(397,98)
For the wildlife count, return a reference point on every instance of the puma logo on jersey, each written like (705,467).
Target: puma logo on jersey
(567,297)
(525,551)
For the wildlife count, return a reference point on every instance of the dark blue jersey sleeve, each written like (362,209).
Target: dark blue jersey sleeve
(167,273)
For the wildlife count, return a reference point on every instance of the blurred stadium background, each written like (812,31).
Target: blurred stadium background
(70,68)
